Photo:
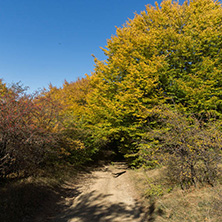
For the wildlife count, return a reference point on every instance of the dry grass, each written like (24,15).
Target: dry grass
(196,205)
(167,202)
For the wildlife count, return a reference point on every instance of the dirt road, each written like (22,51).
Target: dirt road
(104,195)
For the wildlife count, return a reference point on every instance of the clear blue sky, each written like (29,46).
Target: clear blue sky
(47,41)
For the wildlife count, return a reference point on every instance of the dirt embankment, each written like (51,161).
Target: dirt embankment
(103,195)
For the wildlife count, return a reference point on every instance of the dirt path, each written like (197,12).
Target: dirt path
(104,195)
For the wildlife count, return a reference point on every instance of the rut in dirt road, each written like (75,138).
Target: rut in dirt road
(107,195)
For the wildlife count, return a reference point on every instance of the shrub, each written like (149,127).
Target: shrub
(190,148)
(26,133)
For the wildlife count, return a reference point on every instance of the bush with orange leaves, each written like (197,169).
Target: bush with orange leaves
(26,134)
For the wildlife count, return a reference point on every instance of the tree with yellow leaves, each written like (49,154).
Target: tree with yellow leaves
(169,54)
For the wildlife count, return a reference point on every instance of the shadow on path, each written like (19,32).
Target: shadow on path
(21,202)
(95,208)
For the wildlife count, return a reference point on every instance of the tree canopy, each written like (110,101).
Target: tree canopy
(169,54)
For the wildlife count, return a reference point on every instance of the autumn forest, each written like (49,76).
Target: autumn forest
(156,101)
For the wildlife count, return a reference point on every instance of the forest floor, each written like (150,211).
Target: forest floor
(105,194)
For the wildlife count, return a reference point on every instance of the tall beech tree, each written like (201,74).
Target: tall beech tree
(168,54)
